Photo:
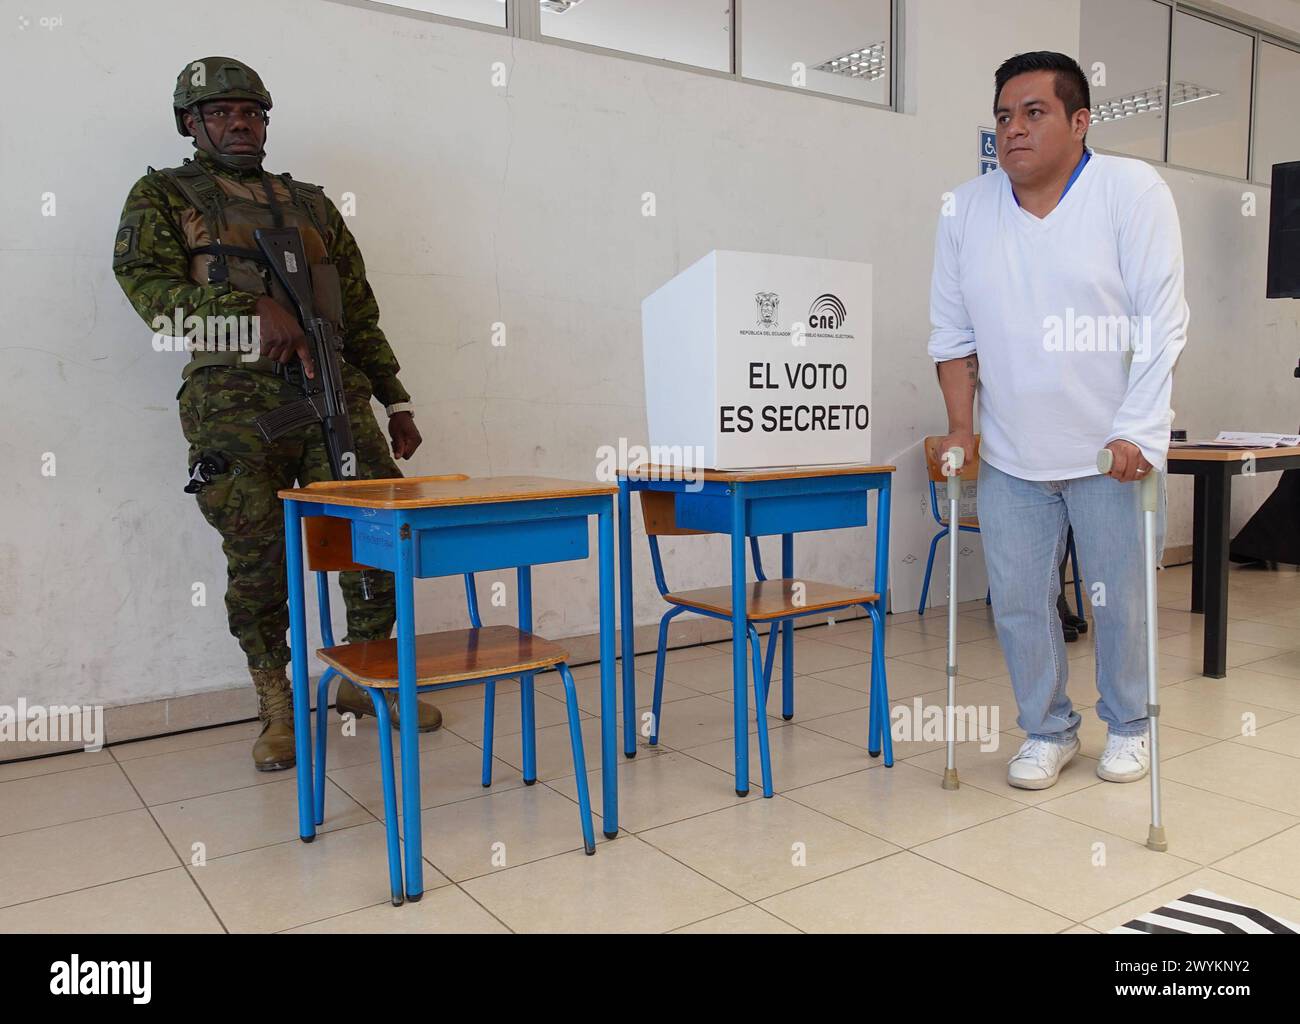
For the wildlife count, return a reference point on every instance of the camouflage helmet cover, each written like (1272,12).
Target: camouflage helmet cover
(214,78)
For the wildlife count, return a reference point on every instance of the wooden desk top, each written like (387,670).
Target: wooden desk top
(436,491)
(751,475)
(1227,454)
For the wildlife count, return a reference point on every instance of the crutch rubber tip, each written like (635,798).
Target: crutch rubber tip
(397,901)
(629,754)
(611,835)
(950,779)
(873,753)
(742,792)
(307,839)
(416,898)
(1156,839)
(591,850)
(530,782)
(787,717)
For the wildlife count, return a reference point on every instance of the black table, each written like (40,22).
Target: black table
(1213,470)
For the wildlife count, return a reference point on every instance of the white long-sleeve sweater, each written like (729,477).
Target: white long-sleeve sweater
(1077,318)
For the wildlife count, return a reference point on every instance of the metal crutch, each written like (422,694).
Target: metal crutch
(952,463)
(1156,831)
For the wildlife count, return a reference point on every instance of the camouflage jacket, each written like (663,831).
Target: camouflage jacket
(153,267)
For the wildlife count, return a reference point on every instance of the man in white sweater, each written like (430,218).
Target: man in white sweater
(1058,296)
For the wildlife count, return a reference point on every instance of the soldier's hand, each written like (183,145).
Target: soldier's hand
(281,334)
(405,434)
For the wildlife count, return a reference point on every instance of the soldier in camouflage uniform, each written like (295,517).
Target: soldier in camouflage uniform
(184,248)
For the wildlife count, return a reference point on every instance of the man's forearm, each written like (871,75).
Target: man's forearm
(957,381)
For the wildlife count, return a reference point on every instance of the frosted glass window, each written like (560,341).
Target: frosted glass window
(695,32)
(1209,118)
(838,47)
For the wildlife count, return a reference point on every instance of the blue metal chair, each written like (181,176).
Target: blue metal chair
(774,602)
(969,524)
(443,660)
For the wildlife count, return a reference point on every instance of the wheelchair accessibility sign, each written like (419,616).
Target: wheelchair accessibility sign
(988,156)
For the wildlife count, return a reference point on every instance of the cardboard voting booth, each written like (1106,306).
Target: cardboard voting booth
(755,360)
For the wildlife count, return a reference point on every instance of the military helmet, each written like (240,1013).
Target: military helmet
(215,78)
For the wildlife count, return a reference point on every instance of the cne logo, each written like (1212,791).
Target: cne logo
(827,313)
(290,262)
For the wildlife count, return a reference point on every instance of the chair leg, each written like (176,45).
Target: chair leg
(771,659)
(929,568)
(880,686)
(658,700)
(389,781)
(322,733)
(787,669)
(760,712)
(527,705)
(489,724)
(579,759)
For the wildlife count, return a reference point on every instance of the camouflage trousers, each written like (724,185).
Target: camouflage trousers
(217,408)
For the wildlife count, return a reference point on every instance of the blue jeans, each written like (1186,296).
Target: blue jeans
(1023,525)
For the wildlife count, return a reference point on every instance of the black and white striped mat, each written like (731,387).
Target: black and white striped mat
(1202,912)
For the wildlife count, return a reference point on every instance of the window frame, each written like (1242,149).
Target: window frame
(1281,44)
(1258,37)
(523,21)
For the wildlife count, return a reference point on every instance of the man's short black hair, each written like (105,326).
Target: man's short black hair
(1071,83)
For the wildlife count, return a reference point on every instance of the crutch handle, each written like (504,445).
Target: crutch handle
(953,459)
(1106,459)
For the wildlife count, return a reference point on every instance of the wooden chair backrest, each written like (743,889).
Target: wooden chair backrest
(329,538)
(934,461)
(659,510)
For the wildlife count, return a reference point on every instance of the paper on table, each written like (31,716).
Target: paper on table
(1259,440)
(1236,439)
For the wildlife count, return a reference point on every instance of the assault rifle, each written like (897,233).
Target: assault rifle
(323,400)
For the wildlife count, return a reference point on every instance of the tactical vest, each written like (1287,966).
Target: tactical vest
(217,233)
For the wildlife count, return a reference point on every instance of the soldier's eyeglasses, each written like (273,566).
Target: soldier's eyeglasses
(228,116)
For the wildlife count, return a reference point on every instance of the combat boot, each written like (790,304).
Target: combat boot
(274,749)
(353,698)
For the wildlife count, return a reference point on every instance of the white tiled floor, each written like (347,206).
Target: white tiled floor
(180,834)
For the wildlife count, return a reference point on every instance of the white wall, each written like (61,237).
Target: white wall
(477,204)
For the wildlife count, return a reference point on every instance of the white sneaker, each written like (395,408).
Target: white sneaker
(1126,759)
(1039,762)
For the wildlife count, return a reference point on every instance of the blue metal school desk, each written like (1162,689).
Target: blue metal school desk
(421,527)
(759,503)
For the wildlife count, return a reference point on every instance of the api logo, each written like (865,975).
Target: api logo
(827,313)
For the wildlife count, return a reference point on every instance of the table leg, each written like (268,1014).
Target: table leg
(879,675)
(1218,508)
(298,661)
(1198,543)
(627,622)
(527,702)
(608,688)
(409,711)
(739,638)
(787,633)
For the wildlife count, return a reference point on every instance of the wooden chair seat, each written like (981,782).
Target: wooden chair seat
(962,520)
(447,657)
(772,599)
